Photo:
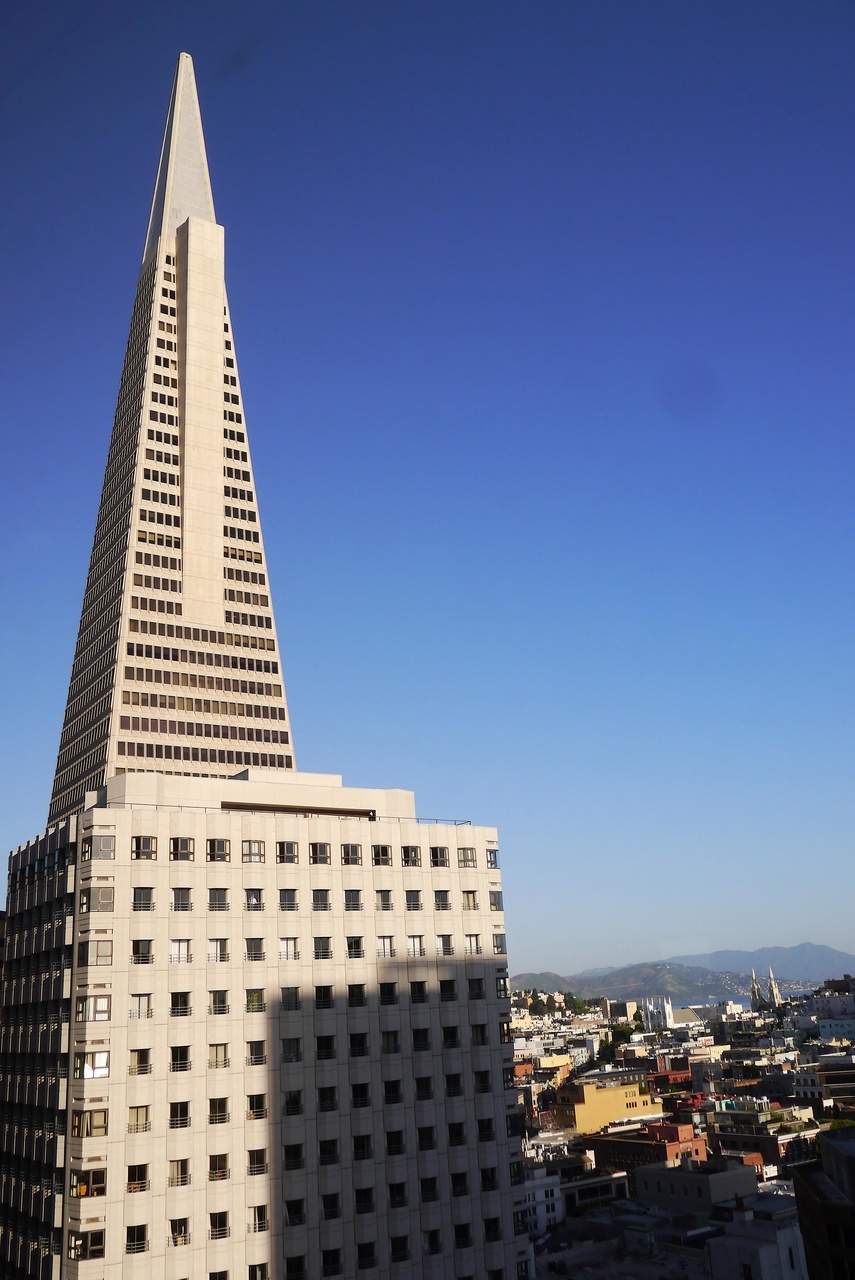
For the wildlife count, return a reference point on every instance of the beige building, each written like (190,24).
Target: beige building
(255,1022)
(588,1105)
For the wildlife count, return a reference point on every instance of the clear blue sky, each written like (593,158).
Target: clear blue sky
(544,315)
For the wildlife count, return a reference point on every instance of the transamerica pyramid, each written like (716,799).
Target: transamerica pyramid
(177,666)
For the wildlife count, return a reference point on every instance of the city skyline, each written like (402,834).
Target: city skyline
(591,351)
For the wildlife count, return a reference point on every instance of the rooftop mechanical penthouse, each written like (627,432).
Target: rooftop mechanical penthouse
(254,1022)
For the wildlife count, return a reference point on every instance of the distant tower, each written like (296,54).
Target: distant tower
(774,993)
(756,993)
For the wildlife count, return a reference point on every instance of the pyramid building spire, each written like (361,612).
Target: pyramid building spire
(177,667)
(183,186)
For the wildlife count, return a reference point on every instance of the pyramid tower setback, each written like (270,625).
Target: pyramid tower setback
(177,666)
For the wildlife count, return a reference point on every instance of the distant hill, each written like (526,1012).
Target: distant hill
(702,978)
(807,962)
(684,984)
(540,982)
(680,982)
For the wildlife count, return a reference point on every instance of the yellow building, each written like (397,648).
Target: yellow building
(587,1105)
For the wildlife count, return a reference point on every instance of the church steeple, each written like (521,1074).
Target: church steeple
(177,666)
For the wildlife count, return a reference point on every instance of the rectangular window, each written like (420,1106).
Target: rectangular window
(252,851)
(321,900)
(254,899)
(381,855)
(218,1111)
(353,899)
(289,949)
(395,1142)
(441,900)
(443,945)
(92,1066)
(292,1049)
(470,900)
(390,1042)
(466,857)
(143,900)
(411,856)
(355,948)
(94,953)
(218,950)
(218,1056)
(254,949)
(472,944)
(218,899)
(496,901)
(351,855)
(386,946)
(319,854)
(415,944)
(328,1151)
(144,847)
(256,1053)
(360,1095)
(142,951)
(500,944)
(413,898)
(438,856)
(328,1098)
(426,1137)
(97,898)
(89,1124)
(88,1182)
(287,899)
(179,1115)
(180,1057)
(287,851)
(323,948)
(85,1245)
(97,847)
(181,849)
(255,1000)
(140,1062)
(92,1009)
(383,899)
(179,951)
(181,900)
(219,850)
(219,1226)
(493,859)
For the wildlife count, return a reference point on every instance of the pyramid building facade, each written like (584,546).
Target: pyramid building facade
(254,1023)
(177,664)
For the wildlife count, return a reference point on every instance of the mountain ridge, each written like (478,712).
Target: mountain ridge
(716,975)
